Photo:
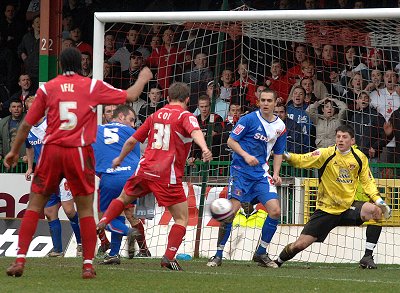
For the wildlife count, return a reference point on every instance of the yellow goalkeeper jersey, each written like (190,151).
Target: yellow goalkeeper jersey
(339,175)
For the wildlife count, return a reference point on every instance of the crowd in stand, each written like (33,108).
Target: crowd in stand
(320,86)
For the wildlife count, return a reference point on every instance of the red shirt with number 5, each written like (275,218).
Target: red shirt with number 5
(69,102)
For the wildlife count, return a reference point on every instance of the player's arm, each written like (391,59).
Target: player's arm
(137,88)
(126,149)
(12,157)
(198,138)
(30,155)
(313,159)
(371,190)
(235,146)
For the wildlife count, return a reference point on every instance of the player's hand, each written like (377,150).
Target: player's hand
(145,74)
(11,159)
(191,160)
(116,162)
(277,180)
(28,174)
(251,160)
(206,155)
(386,210)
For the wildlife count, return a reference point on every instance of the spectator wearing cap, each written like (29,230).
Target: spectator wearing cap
(76,35)
(197,78)
(122,55)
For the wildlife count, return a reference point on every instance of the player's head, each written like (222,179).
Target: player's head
(71,60)
(124,114)
(29,101)
(344,137)
(267,102)
(178,92)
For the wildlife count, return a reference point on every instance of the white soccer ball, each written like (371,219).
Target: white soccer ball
(221,208)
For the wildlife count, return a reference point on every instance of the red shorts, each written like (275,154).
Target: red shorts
(56,163)
(166,194)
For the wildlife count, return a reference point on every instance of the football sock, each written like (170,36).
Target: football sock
(74,221)
(267,232)
(223,236)
(174,240)
(103,238)
(89,239)
(116,240)
(55,232)
(118,226)
(286,254)
(114,210)
(373,233)
(142,239)
(26,232)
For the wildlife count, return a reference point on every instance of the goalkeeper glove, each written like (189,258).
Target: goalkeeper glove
(387,212)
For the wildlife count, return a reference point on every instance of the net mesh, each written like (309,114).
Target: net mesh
(346,57)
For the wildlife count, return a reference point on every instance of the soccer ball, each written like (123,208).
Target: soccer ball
(221,208)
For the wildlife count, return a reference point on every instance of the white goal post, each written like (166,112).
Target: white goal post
(345,244)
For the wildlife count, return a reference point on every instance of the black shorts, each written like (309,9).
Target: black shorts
(321,223)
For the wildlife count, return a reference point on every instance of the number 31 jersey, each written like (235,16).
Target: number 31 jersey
(71,102)
(169,132)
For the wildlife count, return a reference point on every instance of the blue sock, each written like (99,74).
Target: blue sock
(75,227)
(267,232)
(118,226)
(115,246)
(221,245)
(55,231)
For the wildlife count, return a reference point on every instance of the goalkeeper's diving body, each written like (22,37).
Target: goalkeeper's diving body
(340,169)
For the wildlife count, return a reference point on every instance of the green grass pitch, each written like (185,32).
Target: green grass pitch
(145,275)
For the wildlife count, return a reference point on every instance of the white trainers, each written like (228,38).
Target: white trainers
(214,261)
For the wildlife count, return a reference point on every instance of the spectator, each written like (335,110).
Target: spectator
(122,55)
(309,4)
(109,49)
(354,88)
(386,101)
(300,55)
(167,59)
(26,90)
(130,75)
(296,110)
(154,103)
(33,10)
(8,128)
(197,78)
(327,115)
(352,65)
(295,137)
(112,74)
(204,105)
(87,65)
(28,51)
(308,70)
(67,43)
(226,87)
(80,17)
(368,127)
(375,59)
(11,29)
(327,68)
(67,24)
(358,4)
(279,82)
(376,81)
(308,85)
(235,111)
(76,35)
(246,86)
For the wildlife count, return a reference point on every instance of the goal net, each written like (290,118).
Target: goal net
(349,56)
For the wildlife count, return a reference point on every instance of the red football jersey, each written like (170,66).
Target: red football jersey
(71,102)
(169,144)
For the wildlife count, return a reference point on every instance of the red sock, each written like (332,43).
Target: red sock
(26,231)
(142,240)
(114,210)
(174,240)
(103,237)
(89,240)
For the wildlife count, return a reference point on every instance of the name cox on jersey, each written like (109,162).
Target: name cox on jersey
(262,137)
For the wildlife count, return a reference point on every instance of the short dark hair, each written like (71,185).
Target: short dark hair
(178,91)
(124,109)
(281,105)
(16,100)
(345,128)
(270,91)
(70,60)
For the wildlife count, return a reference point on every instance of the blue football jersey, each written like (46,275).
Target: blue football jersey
(35,138)
(109,142)
(258,137)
